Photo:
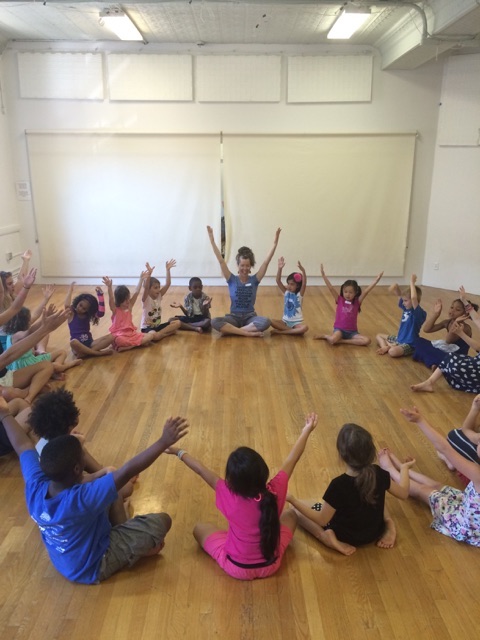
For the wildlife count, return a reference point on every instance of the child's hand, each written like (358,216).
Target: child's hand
(149,269)
(29,279)
(144,275)
(107,281)
(281,262)
(48,292)
(72,284)
(207,302)
(300,267)
(173,430)
(175,305)
(210,232)
(438,306)
(99,291)
(27,254)
(412,415)
(409,462)
(413,279)
(78,435)
(311,421)
(380,276)
(457,326)
(277,234)
(393,287)
(170,264)
(462,291)
(172,451)
(322,271)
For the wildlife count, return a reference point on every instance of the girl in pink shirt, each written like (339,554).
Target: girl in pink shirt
(348,307)
(258,532)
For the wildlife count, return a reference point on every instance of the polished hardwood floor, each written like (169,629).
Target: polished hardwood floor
(255,392)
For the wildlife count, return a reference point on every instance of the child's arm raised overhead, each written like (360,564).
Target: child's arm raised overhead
(431,325)
(469,308)
(101,302)
(264,266)
(17,304)
(210,477)
(47,294)
(26,257)
(469,469)
(223,265)
(370,287)
(146,284)
(295,454)
(111,298)
(395,289)
(413,291)
(278,279)
(330,286)
(168,279)
(304,279)
(68,298)
(134,295)
(173,430)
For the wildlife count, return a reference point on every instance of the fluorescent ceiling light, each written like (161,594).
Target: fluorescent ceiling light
(120,24)
(349,21)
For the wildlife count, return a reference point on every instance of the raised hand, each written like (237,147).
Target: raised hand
(322,271)
(311,421)
(99,291)
(281,262)
(173,430)
(277,234)
(210,232)
(300,267)
(27,254)
(29,279)
(438,306)
(170,264)
(48,292)
(149,269)
(413,279)
(107,281)
(53,321)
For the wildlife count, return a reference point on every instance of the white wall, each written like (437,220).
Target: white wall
(401,101)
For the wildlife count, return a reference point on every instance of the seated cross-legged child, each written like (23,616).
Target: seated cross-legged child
(196,308)
(152,304)
(412,319)
(71,514)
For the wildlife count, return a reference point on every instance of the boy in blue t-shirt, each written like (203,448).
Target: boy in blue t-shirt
(73,515)
(412,319)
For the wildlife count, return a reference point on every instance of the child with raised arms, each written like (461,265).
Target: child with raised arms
(353,509)
(196,308)
(72,514)
(413,316)
(152,303)
(292,322)
(456,513)
(121,303)
(258,532)
(349,304)
(84,311)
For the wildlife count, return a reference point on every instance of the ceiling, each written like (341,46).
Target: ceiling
(406,34)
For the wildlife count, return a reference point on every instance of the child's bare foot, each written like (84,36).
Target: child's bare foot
(198,329)
(387,541)
(381,351)
(331,540)
(10,393)
(422,386)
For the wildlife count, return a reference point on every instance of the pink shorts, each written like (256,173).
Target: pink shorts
(214,545)
(130,340)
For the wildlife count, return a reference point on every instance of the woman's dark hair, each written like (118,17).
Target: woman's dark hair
(92,301)
(247,254)
(247,475)
(354,284)
(356,448)
(19,322)
(59,457)
(121,294)
(297,279)
(54,414)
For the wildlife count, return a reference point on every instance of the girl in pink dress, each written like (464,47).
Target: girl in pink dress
(258,532)
(125,333)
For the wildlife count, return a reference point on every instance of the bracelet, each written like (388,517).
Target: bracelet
(181,453)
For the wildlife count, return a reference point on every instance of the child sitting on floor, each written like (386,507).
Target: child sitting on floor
(196,308)
(412,319)
(71,514)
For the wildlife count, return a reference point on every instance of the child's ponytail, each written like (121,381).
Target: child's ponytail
(356,448)
(366,482)
(269,525)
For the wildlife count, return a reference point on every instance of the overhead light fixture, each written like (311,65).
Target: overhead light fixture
(118,22)
(348,22)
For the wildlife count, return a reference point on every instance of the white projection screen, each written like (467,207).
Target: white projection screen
(106,202)
(342,200)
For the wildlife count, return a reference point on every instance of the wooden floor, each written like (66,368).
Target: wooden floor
(255,392)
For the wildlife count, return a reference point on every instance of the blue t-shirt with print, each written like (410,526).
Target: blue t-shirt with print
(410,324)
(74,524)
(242,294)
